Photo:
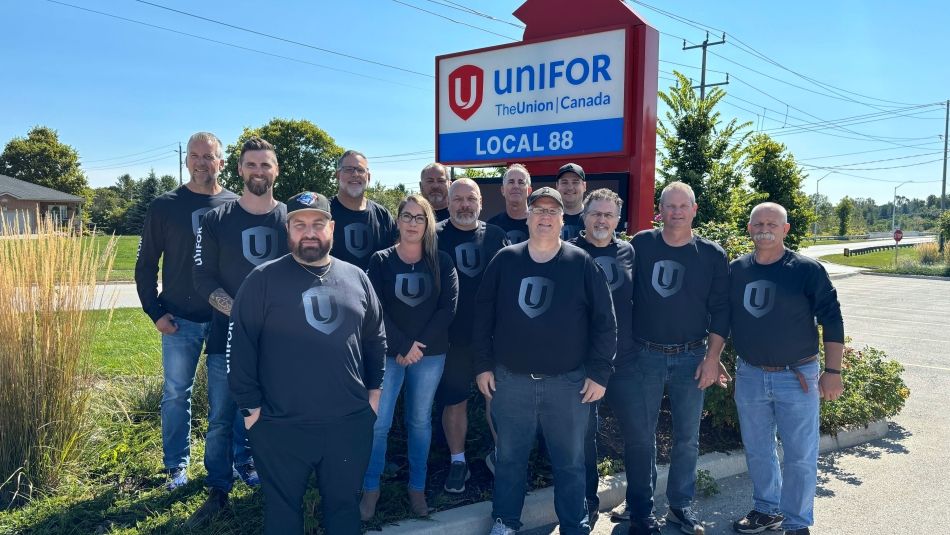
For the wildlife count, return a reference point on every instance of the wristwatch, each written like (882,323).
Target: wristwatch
(245,412)
(833,371)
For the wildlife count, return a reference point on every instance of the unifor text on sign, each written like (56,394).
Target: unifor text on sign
(563,97)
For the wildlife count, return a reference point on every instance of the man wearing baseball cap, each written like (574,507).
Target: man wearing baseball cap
(306,355)
(571,184)
(545,379)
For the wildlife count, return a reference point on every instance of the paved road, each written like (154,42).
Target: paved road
(838,248)
(118,295)
(895,485)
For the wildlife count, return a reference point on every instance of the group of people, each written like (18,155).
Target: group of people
(315,314)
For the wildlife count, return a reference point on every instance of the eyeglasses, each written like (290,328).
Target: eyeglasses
(406,217)
(545,211)
(606,215)
(353,170)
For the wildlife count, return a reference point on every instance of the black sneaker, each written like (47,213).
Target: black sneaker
(216,504)
(687,520)
(458,475)
(756,522)
(592,515)
(799,531)
(644,526)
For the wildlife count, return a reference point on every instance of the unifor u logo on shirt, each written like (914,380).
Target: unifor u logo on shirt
(668,277)
(196,218)
(612,270)
(356,238)
(259,244)
(322,309)
(535,295)
(516,236)
(468,258)
(413,288)
(759,297)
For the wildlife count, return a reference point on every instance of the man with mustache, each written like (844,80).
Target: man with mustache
(601,214)
(471,244)
(233,239)
(777,300)
(434,184)
(515,188)
(362,226)
(307,355)
(571,184)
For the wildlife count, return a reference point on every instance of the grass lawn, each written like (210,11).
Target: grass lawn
(875,260)
(123,268)
(807,242)
(129,345)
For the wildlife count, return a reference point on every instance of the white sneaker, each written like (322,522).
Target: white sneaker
(499,528)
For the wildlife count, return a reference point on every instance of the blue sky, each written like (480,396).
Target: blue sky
(124,94)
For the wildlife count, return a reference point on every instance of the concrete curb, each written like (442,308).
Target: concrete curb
(538,510)
(909,276)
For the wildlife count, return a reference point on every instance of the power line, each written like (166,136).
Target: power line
(848,168)
(128,155)
(150,159)
(862,152)
(433,13)
(466,9)
(402,154)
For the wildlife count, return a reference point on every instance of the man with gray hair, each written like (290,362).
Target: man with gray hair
(777,299)
(515,188)
(433,184)
(362,226)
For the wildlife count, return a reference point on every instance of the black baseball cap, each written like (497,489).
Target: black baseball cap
(550,193)
(571,168)
(308,200)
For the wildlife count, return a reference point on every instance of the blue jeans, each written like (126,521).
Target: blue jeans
(635,394)
(422,380)
(521,404)
(775,401)
(590,457)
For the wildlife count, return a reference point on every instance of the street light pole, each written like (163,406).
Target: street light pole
(815,232)
(894,211)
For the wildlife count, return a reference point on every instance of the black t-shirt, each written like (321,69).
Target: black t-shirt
(573,225)
(679,293)
(230,243)
(360,233)
(547,318)
(441,214)
(774,309)
(169,233)
(305,350)
(471,250)
(516,230)
(413,309)
(616,261)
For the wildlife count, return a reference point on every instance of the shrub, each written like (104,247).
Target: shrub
(873,389)
(928,254)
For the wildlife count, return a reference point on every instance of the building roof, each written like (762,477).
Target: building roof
(27,191)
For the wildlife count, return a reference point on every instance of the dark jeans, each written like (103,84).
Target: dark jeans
(590,458)
(519,407)
(635,393)
(286,455)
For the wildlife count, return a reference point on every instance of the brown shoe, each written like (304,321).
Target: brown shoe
(417,502)
(368,504)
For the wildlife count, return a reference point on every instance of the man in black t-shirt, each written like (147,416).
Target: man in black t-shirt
(362,226)
(537,373)
(571,184)
(307,355)
(777,300)
(434,185)
(180,315)
(515,188)
(471,244)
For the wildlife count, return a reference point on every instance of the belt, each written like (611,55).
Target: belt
(674,348)
(792,368)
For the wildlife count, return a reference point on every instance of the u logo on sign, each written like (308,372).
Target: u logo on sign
(465,90)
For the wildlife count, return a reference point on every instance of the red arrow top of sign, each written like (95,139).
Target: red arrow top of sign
(547,18)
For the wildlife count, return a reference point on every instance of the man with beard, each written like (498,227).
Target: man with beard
(471,244)
(515,188)
(434,183)
(179,314)
(571,184)
(233,239)
(601,211)
(362,226)
(777,300)
(306,358)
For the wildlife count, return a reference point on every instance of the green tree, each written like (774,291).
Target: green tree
(306,155)
(844,210)
(390,197)
(127,187)
(107,210)
(42,159)
(167,183)
(696,148)
(774,173)
(943,226)
(134,219)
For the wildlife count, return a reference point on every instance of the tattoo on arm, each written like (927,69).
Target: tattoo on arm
(220,300)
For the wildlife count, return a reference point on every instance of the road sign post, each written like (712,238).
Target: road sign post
(898,236)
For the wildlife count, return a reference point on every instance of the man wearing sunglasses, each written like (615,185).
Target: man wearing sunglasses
(362,226)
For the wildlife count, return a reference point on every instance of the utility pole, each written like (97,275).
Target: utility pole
(943,188)
(179,164)
(702,81)
(894,211)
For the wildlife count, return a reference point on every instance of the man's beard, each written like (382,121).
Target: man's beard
(258,186)
(354,190)
(601,234)
(314,251)
(463,218)
(436,197)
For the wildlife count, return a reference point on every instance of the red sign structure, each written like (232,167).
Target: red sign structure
(898,235)
(546,20)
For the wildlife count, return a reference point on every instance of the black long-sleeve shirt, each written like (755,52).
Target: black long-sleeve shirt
(616,259)
(515,229)
(573,225)
(471,250)
(547,318)
(679,293)
(360,233)
(305,350)
(775,309)
(230,243)
(413,309)
(169,234)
